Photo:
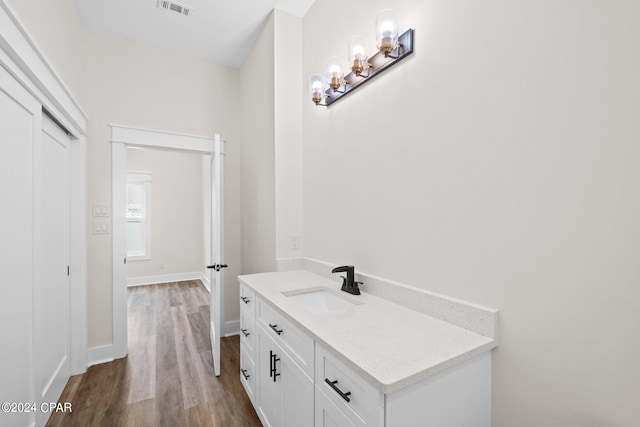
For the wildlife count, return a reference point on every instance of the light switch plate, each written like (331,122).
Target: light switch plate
(100,210)
(101,227)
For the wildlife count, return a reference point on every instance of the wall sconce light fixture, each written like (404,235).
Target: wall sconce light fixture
(391,49)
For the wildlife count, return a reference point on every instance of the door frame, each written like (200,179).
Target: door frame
(121,138)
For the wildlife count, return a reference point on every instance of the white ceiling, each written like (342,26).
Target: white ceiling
(222,31)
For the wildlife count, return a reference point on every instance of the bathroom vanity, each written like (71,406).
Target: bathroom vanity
(314,356)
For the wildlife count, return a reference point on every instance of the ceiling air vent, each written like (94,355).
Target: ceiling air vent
(174,7)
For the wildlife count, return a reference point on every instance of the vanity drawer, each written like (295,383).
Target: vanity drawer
(296,343)
(247,332)
(247,300)
(356,398)
(248,373)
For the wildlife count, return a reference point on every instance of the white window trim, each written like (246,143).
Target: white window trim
(146,179)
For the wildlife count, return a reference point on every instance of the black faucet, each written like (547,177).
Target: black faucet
(348,283)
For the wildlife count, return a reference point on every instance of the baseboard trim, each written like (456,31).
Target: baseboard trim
(164,278)
(231,328)
(101,354)
(205,281)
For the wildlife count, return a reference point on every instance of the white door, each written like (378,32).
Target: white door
(51,298)
(20,124)
(216,276)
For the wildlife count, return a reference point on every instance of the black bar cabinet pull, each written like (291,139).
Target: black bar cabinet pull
(245,333)
(270,363)
(275,359)
(275,329)
(245,299)
(244,374)
(335,388)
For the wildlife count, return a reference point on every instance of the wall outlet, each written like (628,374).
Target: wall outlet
(295,241)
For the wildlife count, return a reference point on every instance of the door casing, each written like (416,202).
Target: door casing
(121,138)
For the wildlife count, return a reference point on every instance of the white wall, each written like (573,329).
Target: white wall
(499,165)
(258,154)
(272,145)
(288,96)
(177,233)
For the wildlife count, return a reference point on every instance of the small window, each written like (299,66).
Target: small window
(138,216)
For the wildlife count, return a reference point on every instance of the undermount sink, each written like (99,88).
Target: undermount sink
(320,300)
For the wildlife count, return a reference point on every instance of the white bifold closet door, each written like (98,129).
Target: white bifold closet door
(52,311)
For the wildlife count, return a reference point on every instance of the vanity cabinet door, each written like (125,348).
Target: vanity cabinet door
(297,395)
(285,392)
(269,392)
(328,414)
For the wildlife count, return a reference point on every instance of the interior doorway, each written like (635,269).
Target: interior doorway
(168,212)
(124,138)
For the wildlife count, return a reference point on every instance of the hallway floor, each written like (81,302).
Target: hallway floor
(167,379)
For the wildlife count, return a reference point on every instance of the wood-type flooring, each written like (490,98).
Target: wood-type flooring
(167,378)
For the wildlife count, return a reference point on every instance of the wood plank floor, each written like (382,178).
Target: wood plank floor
(167,379)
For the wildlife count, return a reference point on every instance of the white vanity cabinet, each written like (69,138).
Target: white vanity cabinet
(299,379)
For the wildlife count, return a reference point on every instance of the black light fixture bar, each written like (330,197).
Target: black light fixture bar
(379,63)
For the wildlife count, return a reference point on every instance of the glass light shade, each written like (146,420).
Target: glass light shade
(316,87)
(358,54)
(386,31)
(335,74)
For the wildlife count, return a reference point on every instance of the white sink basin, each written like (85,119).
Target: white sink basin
(320,300)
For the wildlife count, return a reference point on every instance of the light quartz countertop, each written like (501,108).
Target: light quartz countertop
(389,345)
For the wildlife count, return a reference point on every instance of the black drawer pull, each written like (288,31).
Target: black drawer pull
(245,333)
(343,395)
(244,374)
(245,299)
(275,329)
